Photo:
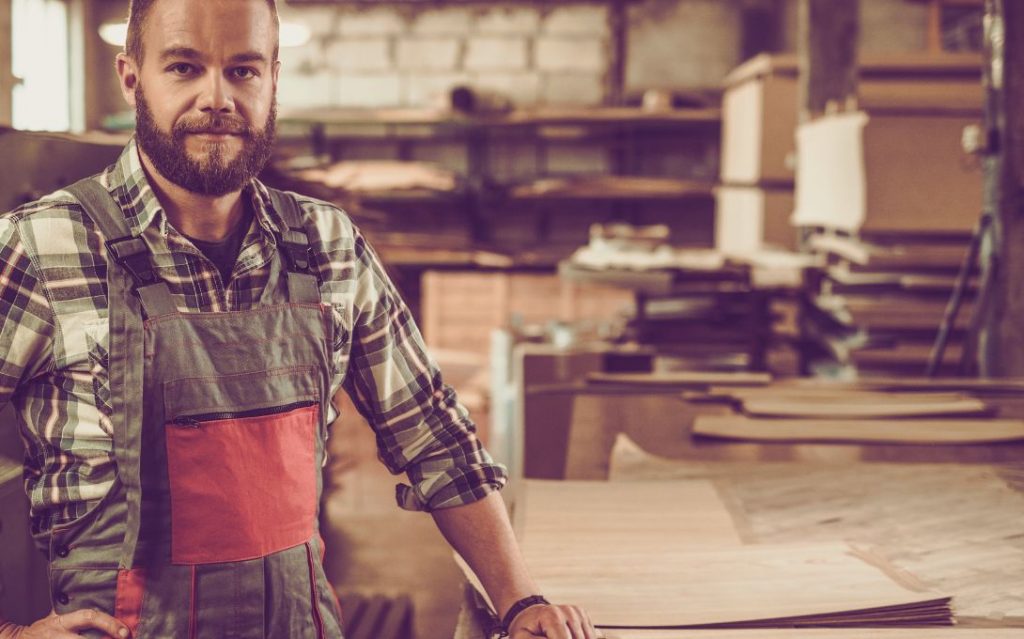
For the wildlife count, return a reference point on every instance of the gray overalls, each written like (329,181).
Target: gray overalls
(210,529)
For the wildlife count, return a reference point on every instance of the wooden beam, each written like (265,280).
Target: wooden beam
(828,55)
(1001,337)
(618,27)
(761,27)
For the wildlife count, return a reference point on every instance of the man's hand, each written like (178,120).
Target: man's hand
(68,625)
(553,622)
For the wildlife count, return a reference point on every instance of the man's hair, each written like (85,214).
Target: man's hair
(138,10)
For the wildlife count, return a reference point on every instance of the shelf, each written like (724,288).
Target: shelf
(612,187)
(614,116)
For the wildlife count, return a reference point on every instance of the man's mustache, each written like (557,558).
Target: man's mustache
(214,126)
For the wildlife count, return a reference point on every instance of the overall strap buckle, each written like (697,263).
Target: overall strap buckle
(132,254)
(297,252)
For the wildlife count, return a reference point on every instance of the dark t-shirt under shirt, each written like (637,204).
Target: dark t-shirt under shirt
(224,253)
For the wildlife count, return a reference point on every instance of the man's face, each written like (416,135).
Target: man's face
(204,94)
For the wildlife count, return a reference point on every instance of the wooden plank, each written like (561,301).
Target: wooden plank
(682,378)
(671,514)
(895,431)
(1005,385)
(1001,339)
(955,527)
(828,54)
(822,633)
(632,564)
(836,408)
(834,393)
(806,584)
(612,187)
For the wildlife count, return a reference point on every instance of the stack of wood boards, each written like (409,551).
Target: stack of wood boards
(837,414)
(821,633)
(957,528)
(878,306)
(667,555)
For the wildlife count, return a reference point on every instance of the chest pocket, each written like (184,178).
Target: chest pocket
(97,358)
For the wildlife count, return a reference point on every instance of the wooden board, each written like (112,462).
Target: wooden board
(958,528)
(650,555)
(838,408)
(935,431)
(678,515)
(833,393)
(1010,385)
(806,584)
(822,633)
(683,378)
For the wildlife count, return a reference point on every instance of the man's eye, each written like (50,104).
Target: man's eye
(181,69)
(244,73)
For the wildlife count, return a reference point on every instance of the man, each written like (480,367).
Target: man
(172,332)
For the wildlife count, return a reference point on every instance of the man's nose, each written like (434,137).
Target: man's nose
(216,94)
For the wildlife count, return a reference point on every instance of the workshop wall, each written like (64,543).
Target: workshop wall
(5,63)
(387,56)
(391,56)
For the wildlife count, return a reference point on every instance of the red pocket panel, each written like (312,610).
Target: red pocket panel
(242,488)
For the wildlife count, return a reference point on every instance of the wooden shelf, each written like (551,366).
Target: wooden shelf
(612,187)
(617,116)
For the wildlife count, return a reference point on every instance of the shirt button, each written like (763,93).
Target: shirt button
(63,551)
(62,598)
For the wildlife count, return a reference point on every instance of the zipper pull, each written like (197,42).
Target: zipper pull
(186,422)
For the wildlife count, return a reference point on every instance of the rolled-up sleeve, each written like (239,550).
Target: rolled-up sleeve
(26,318)
(421,427)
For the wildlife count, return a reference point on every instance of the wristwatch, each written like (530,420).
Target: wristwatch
(517,608)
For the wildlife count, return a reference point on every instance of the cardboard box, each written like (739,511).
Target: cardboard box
(760,106)
(887,173)
(750,218)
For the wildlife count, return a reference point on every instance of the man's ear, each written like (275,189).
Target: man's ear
(128,73)
(275,73)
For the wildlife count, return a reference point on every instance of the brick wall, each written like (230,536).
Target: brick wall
(399,55)
(405,56)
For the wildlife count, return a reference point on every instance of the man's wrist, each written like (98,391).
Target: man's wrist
(518,607)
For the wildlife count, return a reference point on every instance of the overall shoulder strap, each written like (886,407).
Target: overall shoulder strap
(130,253)
(296,250)
(127,308)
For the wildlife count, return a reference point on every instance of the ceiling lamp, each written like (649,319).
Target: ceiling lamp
(294,34)
(114,33)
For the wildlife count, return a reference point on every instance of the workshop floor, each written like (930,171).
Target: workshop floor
(373,547)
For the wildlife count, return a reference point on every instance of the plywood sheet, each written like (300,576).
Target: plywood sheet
(683,378)
(856,408)
(806,584)
(935,431)
(832,393)
(679,514)
(958,528)
(822,633)
(650,555)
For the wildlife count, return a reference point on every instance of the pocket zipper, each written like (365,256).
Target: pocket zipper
(194,421)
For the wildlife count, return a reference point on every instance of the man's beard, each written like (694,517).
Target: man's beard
(215,175)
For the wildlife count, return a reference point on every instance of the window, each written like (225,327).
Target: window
(41,98)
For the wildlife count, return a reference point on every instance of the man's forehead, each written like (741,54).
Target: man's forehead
(216,28)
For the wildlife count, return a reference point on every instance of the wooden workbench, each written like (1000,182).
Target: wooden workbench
(952,516)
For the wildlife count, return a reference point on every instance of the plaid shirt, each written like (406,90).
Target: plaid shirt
(54,336)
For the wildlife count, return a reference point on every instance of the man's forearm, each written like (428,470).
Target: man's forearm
(482,534)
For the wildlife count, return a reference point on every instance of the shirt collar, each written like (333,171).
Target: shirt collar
(127,182)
